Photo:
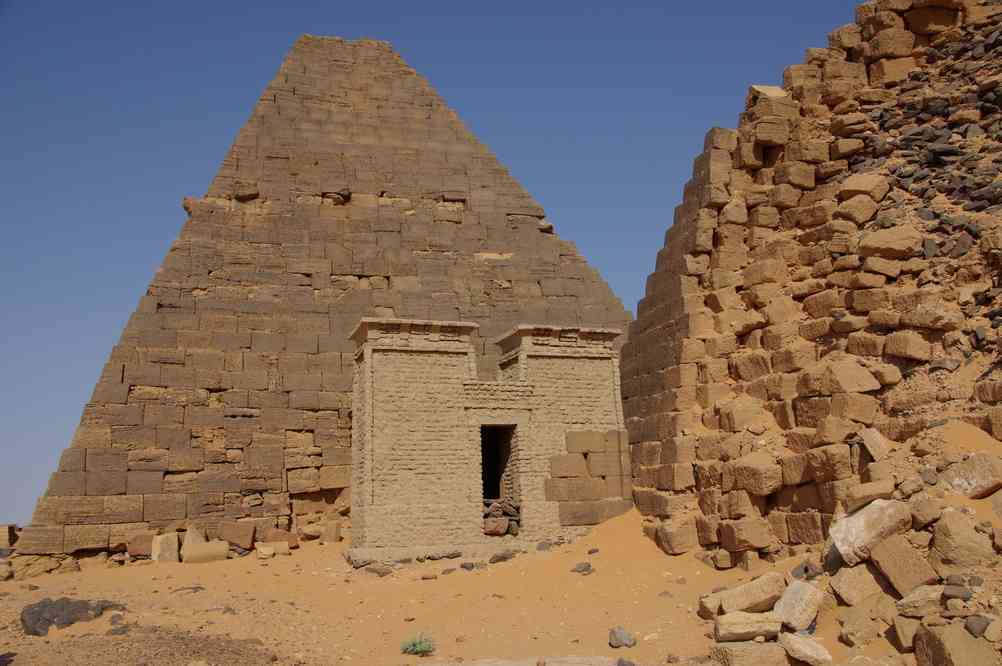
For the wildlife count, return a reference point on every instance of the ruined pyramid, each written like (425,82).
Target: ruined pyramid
(828,290)
(352,191)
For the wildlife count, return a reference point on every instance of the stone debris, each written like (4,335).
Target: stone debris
(922,601)
(208,551)
(742,626)
(902,564)
(805,649)
(957,545)
(621,638)
(978,476)
(760,594)
(854,584)
(951,645)
(855,535)
(799,605)
(165,548)
(749,653)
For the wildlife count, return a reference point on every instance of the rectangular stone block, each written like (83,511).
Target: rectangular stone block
(902,564)
(107,460)
(206,505)
(585,441)
(334,477)
(303,480)
(571,465)
(144,483)
(67,484)
(678,450)
(804,528)
(336,456)
(608,464)
(40,540)
(616,441)
(238,533)
(581,513)
(122,509)
(120,534)
(576,489)
(186,460)
(746,534)
(164,507)
(615,486)
(148,460)
(72,460)
(85,537)
(678,476)
(105,483)
(749,653)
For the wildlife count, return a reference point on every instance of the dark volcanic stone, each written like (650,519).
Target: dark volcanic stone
(37,618)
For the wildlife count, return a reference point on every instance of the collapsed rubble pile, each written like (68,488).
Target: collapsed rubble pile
(501,517)
(828,289)
(913,569)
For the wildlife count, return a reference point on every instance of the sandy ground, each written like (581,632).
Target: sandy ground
(312,608)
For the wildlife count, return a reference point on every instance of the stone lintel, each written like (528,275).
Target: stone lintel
(369,325)
(513,338)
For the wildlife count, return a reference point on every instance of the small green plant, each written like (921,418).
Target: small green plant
(420,645)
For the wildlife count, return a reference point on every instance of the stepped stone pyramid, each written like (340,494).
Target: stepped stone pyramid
(352,191)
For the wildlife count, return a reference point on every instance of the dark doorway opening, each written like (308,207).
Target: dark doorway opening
(495,451)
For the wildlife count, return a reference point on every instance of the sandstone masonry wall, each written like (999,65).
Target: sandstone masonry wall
(417,464)
(828,263)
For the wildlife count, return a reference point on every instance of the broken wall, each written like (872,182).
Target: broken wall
(828,270)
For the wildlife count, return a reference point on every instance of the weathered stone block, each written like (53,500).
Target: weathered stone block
(748,653)
(40,540)
(106,460)
(757,473)
(977,477)
(332,477)
(569,465)
(798,606)
(158,508)
(903,566)
(741,626)
(758,595)
(854,536)
(746,534)
(829,463)
(951,645)
(105,483)
(85,537)
(677,537)
(805,528)
(238,533)
(855,584)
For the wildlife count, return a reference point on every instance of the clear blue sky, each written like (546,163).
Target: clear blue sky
(112,112)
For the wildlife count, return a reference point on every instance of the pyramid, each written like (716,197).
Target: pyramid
(352,191)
